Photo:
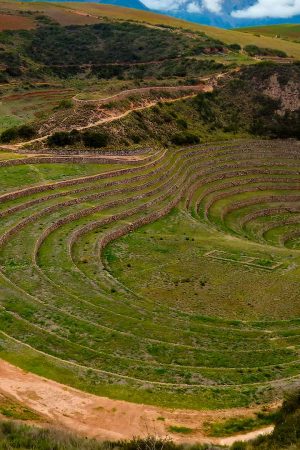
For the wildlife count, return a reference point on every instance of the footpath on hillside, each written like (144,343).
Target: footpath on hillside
(206,84)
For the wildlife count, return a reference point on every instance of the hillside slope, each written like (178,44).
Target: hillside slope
(268,105)
(93,10)
(98,50)
(288,31)
(227,36)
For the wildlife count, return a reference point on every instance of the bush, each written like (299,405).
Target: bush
(9,135)
(253,50)
(235,47)
(26,131)
(63,138)
(182,123)
(65,103)
(287,425)
(22,132)
(286,434)
(95,139)
(185,139)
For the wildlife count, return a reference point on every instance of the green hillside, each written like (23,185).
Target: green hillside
(285,31)
(74,12)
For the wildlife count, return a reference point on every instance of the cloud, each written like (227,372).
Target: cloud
(214,6)
(193,6)
(164,5)
(269,8)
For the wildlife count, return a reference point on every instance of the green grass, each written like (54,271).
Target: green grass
(130,323)
(239,425)
(28,103)
(283,31)
(286,432)
(180,429)
(33,174)
(13,410)
(9,122)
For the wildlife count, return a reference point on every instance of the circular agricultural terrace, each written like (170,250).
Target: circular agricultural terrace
(82,237)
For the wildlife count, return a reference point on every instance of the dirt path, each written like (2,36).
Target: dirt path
(101,417)
(207,86)
(141,90)
(16,147)
(247,437)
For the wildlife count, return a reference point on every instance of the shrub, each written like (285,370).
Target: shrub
(287,429)
(182,123)
(63,138)
(286,434)
(235,47)
(185,139)
(135,138)
(180,429)
(9,135)
(65,103)
(253,50)
(26,131)
(95,139)
(23,132)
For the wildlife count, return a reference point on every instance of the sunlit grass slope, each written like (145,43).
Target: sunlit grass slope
(289,31)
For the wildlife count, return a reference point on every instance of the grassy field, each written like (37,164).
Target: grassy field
(133,325)
(287,31)
(81,13)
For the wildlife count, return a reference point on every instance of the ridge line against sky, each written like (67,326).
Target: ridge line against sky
(258,9)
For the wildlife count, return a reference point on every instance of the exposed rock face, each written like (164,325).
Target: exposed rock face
(288,94)
(263,99)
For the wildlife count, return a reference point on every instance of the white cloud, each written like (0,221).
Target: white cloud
(214,6)
(194,7)
(269,8)
(164,5)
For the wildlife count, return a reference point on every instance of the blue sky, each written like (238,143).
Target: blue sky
(258,9)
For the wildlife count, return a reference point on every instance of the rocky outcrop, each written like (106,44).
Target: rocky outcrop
(288,94)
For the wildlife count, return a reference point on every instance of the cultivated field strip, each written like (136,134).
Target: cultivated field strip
(59,302)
